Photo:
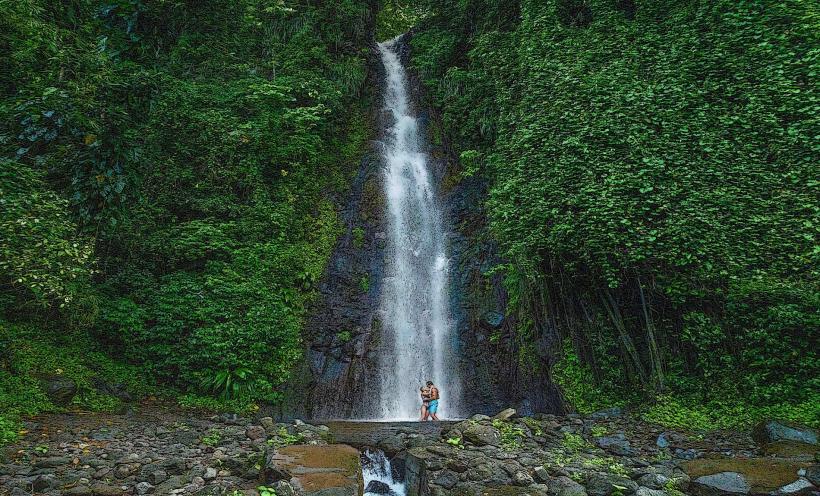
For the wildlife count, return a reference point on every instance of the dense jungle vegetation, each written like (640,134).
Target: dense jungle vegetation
(653,174)
(172,170)
(167,185)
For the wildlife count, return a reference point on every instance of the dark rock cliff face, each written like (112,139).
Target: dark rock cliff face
(337,378)
(337,374)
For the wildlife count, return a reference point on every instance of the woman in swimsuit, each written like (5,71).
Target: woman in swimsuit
(425,402)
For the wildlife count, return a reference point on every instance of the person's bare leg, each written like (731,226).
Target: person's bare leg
(423,414)
(435,417)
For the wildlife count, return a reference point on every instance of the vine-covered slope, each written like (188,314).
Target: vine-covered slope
(169,182)
(653,170)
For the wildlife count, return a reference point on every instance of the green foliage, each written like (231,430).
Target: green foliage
(580,388)
(652,186)
(534,426)
(727,413)
(42,258)
(598,431)
(364,283)
(455,441)
(212,438)
(358,237)
(396,17)
(266,491)
(231,384)
(95,401)
(344,336)
(9,429)
(29,353)
(607,464)
(672,487)
(187,161)
(574,442)
(284,438)
(511,434)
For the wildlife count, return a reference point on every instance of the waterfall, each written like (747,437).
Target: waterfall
(418,337)
(378,475)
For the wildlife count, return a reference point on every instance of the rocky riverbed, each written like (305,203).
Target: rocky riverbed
(162,451)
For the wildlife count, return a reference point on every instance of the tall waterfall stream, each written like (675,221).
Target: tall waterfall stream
(418,337)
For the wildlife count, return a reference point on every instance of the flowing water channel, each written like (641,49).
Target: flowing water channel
(378,474)
(418,338)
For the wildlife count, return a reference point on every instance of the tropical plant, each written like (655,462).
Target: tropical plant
(231,384)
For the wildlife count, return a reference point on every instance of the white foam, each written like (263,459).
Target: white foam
(418,335)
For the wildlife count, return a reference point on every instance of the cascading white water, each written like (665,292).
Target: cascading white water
(418,337)
(378,475)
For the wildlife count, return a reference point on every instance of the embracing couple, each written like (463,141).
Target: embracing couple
(429,401)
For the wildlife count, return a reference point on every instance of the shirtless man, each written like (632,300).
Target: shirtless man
(432,408)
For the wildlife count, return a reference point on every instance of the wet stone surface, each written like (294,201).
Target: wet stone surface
(156,451)
(167,452)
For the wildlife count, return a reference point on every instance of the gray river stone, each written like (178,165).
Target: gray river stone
(482,435)
(721,483)
(770,432)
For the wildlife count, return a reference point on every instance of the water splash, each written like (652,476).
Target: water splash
(418,337)
(378,475)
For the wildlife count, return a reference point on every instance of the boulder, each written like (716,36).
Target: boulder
(564,486)
(771,432)
(59,389)
(604,484)
(268,424)
(273,470)
(158,477)
(653,480)
(174,466)
(415,471)
(446,479)
(80,490)
(144,488)
(52,462)
(493,319)
(378,487)
(418,441)
(721,483)
(645,491)
(43,483)
(482,435)
(284,488)
(254,432)
(505,414)
(617,444)
(392,444)
(481,472)
(522,478)
(813,474)
(609,413)
(100,489)
(542,474)
(458,466)
(800,486)
(669,439)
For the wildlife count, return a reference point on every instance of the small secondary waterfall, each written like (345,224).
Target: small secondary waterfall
(418,337)
(378,475)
